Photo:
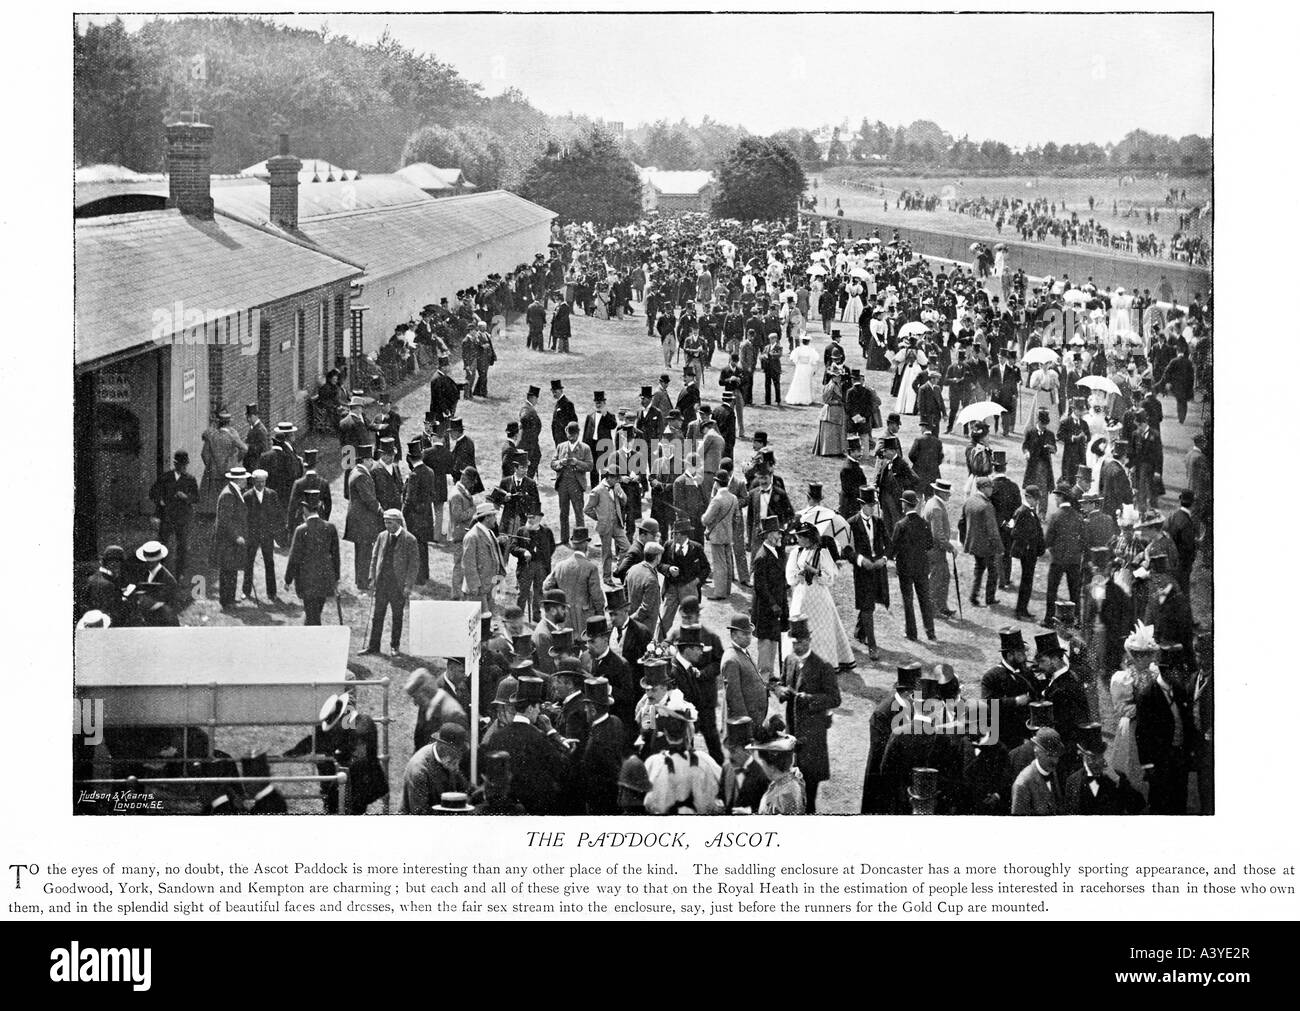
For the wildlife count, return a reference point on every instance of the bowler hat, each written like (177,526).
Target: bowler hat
(740,623)
(1049,741)
(556,597)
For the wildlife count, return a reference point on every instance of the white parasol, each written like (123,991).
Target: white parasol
(1036,356)
(611,241)
(829,523)
(1099,383)
(1075,296)
(982,411)
(913,329)
(858,272)
(873,255)
(817,270)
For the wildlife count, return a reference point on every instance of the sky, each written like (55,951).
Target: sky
(1023,79)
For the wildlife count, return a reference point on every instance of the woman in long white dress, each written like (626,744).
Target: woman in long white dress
(853,307)
(908,364)
(1141,650)
(801,385)
(810,573)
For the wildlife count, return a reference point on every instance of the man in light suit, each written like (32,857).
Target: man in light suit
(460,514)
(717,521)
(746,688)
(712,448)
(230,533)
(572,463)
(644,596)
(393,568)
(265,519)
(483,559)
(935,513)
(579,577)
(1037,790)
(606,507)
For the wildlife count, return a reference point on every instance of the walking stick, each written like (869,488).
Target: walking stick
(338,606)
(956,579)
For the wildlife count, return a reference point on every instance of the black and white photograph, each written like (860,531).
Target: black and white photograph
(647,414)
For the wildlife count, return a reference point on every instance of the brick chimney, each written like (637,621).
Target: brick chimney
(189,169)
(284,169)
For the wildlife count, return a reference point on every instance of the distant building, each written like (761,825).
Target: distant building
(676,192)
(437,182)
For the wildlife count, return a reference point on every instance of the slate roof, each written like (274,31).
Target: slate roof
(131,269)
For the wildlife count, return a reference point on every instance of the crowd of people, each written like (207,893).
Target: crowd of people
(605,691)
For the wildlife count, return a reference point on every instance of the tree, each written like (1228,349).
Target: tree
(117,107)
(759,178)
(837,153)
(669,147)
(810,152)
(589,180)
(474,150)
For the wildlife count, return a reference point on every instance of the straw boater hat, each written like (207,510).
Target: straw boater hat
(151,551)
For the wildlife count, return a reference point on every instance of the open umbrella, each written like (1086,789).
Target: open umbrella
(982,411)
(874,240)
(758,228)
(1075,296)
(1099,383)
(913,329)
(858,272)
(829,523)
(1000,245)
(611,241)
(1036,356)
(1077,341)
(873,255)
(783,242)
(787,235)
(655,237)
(817,270)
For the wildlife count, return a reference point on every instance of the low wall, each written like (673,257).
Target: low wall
(1040,259)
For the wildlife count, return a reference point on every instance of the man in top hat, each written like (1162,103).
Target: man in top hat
(229,551)
(852,479)
(535,317)
(1073,435)
(365,517)
(1095,788)
(387,476)
(649,420)
(561,327)
(1039,446)
(1011,686)
(417,504)
(1168,740)
(1183,531)
(1005,496)
(684,568)
(770,606)
(861,408)
(265,520)
(688,399)
(463,455)
(310,480)
(929,401)
(530,428)
(662,400)
(893,478)
(1061,688)
(910,544)
(810,690)
(868,554)
(958,380)
(175,495)
(538,758)
(313,565)
(563,414)
(879,791)
(484,556)
(608,663)
(258,439)
(533,546)
(579,578)
(1113,482)
(1037,790)
(598,429)
(1004,390)
(444,394)
(388,423)
(1064,538)
(393,568)
(571,463)
(222,452)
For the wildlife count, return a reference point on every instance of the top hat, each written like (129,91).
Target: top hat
(1090,739)
(534,391)
(596,691)
(740,731)
(1041,714)
(770,524)
(615,597)
(556,384)
(690,635)
(1047,644)
(1067,614)
(925,784)
(867,496)
(909,676)
(1012,639)
(522,645)
(529,690)
(309,457)
(562,641)
(495,766)
(999,459)
(597,624)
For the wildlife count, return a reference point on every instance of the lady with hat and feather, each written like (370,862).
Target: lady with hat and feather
(683,779)
(810,573)
(1140,652)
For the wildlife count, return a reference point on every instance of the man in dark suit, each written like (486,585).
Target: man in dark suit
(852,480)
(313,558)
(444,394)
(1005,497)
(387,476)
(685,568)
(810,690)
(364,519)
(1012,687)
(258,439)
(1027,545)
(893,478)
(1167,742)
(627,636)
(103,589)
(463,455)
(417,505)
(1062,689)
(929,402)
(766,498)
(1092,788)
(561,328)
(688,400)
(878,790)
(869,548)
(530,427)
(281,464)
(539,761)
(601,757)
(174,495)
(608,664)
(563,414)
(926,455)
(1181,528)
(230,534)
(310,481)
(770,609)
(265,519)
(910,544)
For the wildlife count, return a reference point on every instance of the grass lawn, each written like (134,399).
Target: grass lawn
(618,357)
